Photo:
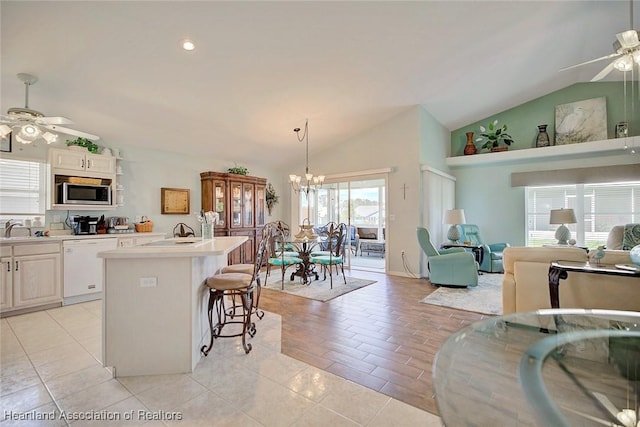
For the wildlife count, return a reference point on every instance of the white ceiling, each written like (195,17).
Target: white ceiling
(261,68)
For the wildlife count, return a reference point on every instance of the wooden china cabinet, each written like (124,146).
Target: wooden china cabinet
(240,202)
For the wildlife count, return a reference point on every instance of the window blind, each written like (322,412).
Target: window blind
(22,187)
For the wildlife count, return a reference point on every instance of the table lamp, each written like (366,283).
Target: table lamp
(562,217)
(454,217)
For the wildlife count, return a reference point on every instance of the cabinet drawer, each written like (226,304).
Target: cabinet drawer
(5,251)
(36,248)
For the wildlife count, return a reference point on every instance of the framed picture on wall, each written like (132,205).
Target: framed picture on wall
(5,143)
(175,201)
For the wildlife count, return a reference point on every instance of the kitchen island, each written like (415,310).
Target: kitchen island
(155,303)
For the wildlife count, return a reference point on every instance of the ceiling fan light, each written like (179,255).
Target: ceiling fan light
(29,132)
(625,63)
(4,130)
(22,140)
(50,137)
(636,56)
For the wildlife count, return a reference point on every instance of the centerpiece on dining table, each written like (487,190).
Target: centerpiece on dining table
(306,231)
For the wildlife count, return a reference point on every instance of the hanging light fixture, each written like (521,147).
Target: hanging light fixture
(311,183)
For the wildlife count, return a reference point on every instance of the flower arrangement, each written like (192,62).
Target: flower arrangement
(493,135)
(84,142)
(238,170)
(271,197)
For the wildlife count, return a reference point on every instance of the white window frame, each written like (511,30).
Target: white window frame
(37,187)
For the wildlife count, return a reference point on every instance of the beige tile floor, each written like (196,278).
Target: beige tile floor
(50,366)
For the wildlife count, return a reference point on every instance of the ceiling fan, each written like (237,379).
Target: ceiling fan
(31,124)
(626,50)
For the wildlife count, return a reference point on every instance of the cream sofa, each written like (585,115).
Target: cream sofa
(525,286)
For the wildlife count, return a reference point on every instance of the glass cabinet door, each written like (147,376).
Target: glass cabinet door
(248,205)
(236,203)
(219,202)
(260,205)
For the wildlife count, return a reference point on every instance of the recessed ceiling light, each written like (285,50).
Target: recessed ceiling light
(188,44)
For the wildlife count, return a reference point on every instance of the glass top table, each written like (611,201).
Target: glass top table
(559,367)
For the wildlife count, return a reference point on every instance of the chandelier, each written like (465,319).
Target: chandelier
(311,183)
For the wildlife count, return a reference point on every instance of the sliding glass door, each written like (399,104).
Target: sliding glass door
(360,203)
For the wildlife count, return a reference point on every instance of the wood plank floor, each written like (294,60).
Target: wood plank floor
(379,336)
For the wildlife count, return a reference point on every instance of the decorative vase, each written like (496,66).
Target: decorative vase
(542,140)
(470,148)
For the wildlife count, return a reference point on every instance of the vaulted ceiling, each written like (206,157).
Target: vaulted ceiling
(261,68)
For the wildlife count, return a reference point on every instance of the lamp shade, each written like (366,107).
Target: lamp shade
(454,216)
(562,216)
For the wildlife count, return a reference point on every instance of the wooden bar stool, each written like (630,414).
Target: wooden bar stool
(232,287)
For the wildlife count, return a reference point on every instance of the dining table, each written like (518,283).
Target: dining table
(306,270)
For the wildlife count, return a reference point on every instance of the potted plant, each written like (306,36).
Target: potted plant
(271,197)
(238,170)
(83,142)
(493,135)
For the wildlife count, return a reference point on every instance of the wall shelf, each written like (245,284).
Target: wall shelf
(608,146)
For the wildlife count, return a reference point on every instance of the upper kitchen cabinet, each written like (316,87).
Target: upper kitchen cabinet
(240,202)
(82,180)
(81,161)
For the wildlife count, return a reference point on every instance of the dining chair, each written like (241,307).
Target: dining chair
(277,255)
(334,236)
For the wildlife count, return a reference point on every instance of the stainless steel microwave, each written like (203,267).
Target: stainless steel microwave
(83,194)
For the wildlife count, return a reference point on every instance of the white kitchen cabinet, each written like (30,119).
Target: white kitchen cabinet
(35,277)
(82,161)
(6,278)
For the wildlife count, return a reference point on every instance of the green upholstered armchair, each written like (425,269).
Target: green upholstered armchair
(492,253)
(448,267)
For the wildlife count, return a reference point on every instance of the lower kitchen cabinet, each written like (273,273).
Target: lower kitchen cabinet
(32,275)
(6,279)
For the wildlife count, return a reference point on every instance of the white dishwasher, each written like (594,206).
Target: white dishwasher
(83,270)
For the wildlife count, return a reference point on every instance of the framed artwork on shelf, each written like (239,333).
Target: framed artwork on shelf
(622,130)
(581,121)
(175,201)
(5,143)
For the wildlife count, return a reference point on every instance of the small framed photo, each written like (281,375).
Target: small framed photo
(175,201)
(622,130)
(5,143)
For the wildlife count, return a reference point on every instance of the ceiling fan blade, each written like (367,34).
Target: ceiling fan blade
(54,121)
(613,55)
(606,70)
(72,132)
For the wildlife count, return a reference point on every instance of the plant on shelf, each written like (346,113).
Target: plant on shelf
(83,142)
(238,170)
(271,197)
(493,135)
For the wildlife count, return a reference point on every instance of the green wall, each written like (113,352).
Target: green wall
(524,119)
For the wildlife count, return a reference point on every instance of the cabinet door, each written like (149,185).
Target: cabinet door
(36,279)
(67,159)
(100,163)
(236,205)
(260,205)
(219,202)
(6,283)
(247,205)
(244,253)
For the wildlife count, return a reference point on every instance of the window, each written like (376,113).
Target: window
(598,207)
(22,188)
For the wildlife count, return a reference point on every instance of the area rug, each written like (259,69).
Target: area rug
(318,289)
(485,298)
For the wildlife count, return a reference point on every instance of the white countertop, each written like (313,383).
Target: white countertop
(62,237)
(221,245)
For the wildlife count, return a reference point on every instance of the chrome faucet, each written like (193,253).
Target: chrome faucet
(9,225)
